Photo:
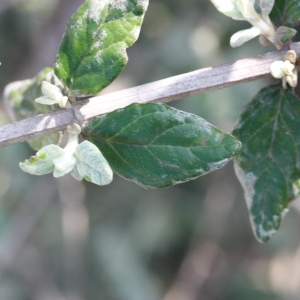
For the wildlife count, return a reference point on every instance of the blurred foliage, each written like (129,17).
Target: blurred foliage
(60,239)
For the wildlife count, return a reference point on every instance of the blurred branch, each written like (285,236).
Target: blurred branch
(169,89)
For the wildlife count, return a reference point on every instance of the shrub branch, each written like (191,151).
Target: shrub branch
(165,90)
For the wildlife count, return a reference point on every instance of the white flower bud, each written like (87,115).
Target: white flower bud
(276,69)
(52,95)
(290,56)
(286,70)
(292,80)
(74,129)
(280,68)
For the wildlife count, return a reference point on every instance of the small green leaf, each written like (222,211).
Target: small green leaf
(19,98)
(92,53)
(286,12)
(42,162)
(157,146)
(284,35)
(91,164)
(268,163)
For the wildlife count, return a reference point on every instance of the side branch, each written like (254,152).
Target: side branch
(172,88)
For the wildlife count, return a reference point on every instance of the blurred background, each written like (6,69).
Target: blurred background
(66,240)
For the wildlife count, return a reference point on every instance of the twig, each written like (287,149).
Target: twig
(173,88)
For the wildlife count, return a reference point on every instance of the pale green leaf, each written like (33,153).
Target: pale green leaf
(42,162)
(92,165)
(19,99)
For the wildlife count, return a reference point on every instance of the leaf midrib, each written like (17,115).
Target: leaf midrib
(158,145)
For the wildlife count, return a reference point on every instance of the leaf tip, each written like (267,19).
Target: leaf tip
(263,235)
(264,228)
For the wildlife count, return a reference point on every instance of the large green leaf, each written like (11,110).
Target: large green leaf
(268,164)
(92,53)
(286,13)
(157,146)
(19,98)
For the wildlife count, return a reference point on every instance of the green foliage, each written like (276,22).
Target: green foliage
(134,237)
(157,146)
(19,97)
(286,13)
(92,53)
(268,163)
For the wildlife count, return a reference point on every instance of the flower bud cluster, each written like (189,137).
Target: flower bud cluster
(286,69)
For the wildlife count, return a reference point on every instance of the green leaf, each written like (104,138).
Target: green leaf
(19,98)
(268,163)
(42,162)
(92,53)
(284,35)
(157,146)
(286,12)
